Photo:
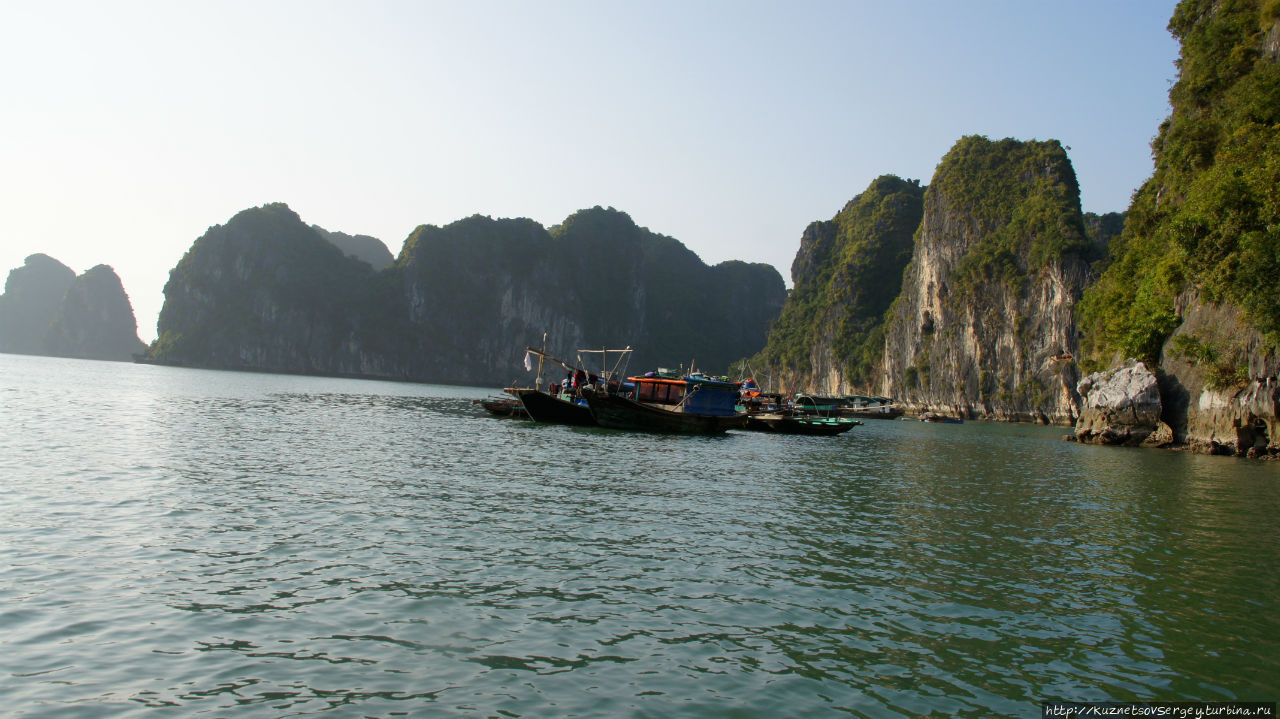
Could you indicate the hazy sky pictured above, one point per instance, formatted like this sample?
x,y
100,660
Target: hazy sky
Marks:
x,y
127,128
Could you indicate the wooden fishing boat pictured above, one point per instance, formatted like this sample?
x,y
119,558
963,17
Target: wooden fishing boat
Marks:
x,y
564,403
850,405
556,409
864,406
788,423
940,418
694,404
502,407
816,406
771,412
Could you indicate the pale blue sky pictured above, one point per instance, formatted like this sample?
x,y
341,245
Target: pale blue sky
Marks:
x,y
128,128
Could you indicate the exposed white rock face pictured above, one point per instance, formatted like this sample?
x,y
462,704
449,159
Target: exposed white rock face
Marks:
x,y
1004,351
1131,392
1120,406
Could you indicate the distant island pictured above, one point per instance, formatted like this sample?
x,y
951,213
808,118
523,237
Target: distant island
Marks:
x,y
47,310
460,304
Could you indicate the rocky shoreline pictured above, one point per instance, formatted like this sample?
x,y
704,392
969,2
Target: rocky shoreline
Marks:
x,y
1132,406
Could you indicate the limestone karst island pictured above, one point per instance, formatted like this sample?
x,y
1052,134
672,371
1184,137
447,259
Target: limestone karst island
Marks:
x,y
984,292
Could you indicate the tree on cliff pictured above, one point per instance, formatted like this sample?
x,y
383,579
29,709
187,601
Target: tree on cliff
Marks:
x,y
1208,219
846,274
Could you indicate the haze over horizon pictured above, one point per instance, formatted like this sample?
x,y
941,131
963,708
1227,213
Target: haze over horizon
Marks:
x,y
132,127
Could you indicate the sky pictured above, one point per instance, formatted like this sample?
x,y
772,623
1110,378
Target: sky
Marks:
x,y
127,128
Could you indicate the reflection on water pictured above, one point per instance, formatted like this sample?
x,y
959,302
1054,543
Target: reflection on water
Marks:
x,y
204,541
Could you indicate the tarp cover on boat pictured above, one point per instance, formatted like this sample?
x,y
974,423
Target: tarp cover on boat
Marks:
x,y
711,397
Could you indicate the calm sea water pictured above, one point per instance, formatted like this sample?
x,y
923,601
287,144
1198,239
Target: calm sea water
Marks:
x,y
192,543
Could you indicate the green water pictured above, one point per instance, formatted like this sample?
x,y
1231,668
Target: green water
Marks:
x,y
190,543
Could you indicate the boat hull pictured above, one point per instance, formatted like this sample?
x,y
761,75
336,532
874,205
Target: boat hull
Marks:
x,y
813,426
542,407
837,407
503,407
617,412
873,413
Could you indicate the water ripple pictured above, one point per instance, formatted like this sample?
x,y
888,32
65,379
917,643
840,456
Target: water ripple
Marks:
x,y
200,543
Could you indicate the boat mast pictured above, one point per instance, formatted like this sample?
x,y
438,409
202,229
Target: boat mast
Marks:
x,y
542,354
606,373
538,384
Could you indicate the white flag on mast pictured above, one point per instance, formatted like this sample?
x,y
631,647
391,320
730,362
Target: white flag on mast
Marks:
x,y
528,362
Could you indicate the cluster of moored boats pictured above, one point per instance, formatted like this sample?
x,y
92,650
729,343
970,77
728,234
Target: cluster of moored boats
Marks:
x,y
677,401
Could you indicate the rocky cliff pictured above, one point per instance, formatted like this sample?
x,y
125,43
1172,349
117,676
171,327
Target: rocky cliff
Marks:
x,y
1191,286
829,337
460,303
1101,231
95,320
267,292
1122,406
47,310
362,247
32,294
1219,381
478,290
984,325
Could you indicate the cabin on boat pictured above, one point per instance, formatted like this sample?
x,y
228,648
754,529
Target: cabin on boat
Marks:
x,y
695,394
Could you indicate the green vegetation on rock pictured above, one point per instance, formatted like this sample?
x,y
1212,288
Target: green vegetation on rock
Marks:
x,y
1101,230
461,301
846,274
984,322
1023,205
1209,216
1220,359
264,281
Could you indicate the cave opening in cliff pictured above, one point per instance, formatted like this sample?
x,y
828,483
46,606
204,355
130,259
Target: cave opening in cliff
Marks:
x,y
1259,433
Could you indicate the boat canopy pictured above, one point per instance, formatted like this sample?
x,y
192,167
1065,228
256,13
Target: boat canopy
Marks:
x,y
711,397
864,399
695,394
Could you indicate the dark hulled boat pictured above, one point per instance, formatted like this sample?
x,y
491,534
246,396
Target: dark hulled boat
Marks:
x,y
543,407
618,412
502,407
685,405
564,403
